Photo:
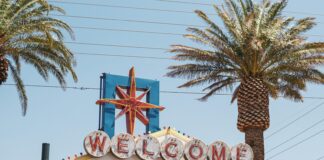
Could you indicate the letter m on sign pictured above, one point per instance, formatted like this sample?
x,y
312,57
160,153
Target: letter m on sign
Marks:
x,y
218,156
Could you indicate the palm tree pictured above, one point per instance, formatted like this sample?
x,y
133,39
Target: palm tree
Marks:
x,y
259,52
29,35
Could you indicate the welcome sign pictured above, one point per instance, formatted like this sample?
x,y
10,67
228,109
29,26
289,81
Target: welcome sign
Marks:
x,y
147,147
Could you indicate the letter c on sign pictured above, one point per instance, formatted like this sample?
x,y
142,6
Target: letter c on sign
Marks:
x,y
172,149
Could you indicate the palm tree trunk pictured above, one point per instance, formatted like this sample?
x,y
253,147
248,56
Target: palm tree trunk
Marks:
x,y
3,69
254,137
253,113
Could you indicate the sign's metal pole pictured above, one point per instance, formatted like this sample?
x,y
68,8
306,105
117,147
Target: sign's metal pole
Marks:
x,y
100,106
45,151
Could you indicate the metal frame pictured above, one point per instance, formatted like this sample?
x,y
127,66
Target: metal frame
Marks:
x,y
110,82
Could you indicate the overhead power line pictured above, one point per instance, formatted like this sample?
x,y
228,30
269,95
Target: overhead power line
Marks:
x,y
320,158
115,45
295,145
295,120
127,7
127,20
185,2
95,88
165,10
210,4
298,134
162,91
154,32
127,30
119,55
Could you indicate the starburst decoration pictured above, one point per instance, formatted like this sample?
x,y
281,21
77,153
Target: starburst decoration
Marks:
x,y
130,104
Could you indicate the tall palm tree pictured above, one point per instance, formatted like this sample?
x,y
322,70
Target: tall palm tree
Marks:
x,y
29,35
259,52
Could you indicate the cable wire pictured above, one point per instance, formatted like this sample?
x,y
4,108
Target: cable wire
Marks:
x,y
295,120
115,45
166,10
127,7
298,134
119,55
320,158
127,20
295,145
127,30
162,91
154,32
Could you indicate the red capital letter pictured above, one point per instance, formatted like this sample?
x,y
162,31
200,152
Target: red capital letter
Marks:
x,y
122,147
145,151
97,142
172,155
192,155
218,157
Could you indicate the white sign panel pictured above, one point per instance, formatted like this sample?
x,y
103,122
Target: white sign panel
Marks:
x,y
196,150
147,147
242,151
172,149
123,145
97,143
219,151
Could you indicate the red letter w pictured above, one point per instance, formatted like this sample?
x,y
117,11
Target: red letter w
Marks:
x,y
97,142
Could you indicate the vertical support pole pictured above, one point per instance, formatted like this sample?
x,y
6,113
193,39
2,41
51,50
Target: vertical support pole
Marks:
x,y
108,119
45,151
100,106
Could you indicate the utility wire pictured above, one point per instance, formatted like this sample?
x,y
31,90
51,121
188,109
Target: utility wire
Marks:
x,y
153,32
132,20
210,4
295,120
162,91
94,88
115,45
298,134
128,30
184,2
127,7
166,10
295,145
119,55
127,20
141,21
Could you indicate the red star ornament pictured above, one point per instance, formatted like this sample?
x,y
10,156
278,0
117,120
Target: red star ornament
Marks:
x,y
131,105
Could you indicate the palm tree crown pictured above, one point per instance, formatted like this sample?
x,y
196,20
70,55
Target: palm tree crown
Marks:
x,y
256,41
260,52
29,35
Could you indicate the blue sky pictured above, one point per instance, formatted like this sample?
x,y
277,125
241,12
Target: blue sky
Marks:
x,y
64,118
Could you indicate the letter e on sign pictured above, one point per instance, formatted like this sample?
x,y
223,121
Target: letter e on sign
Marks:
x,y
172,149
196,150
123,145
242,151
97,143
147,147
218,151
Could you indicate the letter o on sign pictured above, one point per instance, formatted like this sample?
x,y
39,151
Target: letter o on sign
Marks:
x,y
147,147
242,151
196,150
219,150
172,149
97,144
123,145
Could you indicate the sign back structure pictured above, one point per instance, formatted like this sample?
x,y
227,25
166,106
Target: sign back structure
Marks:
x,y
112,86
